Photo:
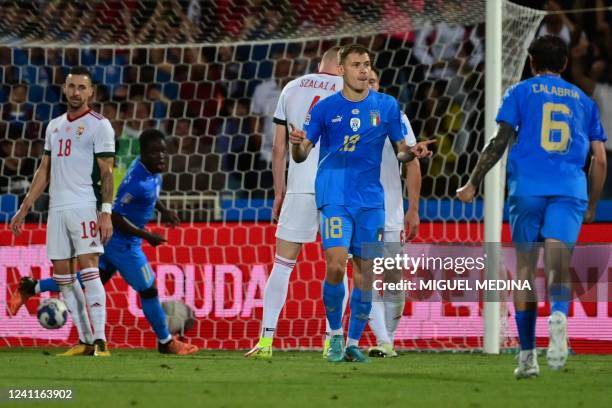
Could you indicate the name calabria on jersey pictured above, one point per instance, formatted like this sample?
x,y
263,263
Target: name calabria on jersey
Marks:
x,y
351,127
556,125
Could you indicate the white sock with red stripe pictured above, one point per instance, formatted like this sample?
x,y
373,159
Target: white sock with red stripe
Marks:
x,y
96,300
275,294
75,301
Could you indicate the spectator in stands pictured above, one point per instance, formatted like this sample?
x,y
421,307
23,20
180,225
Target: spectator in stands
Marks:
x,y
17,112
596,81
557,24
263,105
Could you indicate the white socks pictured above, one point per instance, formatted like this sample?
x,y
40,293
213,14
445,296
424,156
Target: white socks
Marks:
x,y
394,309
275,294
96,300
377,319
75,301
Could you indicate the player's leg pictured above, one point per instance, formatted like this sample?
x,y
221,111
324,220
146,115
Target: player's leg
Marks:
x,y
559,242
297,224
29,287
387,308
135,269
61,252
327,341
336,232
365,246
526,217
83,228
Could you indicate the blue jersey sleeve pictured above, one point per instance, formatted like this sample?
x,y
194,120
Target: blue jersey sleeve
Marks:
x,y
509,110
126,194
397,129
596,131
314,124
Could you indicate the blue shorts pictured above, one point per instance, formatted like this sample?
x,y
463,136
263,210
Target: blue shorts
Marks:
x,y
360,230
131,263
534,219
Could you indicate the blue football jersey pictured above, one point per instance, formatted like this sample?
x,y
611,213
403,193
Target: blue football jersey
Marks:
x,y
352,136
136,198
556,122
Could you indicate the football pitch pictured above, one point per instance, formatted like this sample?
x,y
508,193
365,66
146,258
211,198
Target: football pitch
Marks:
x,y
144,378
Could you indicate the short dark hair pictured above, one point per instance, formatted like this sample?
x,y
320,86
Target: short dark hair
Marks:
x,y
81,70
353,49
548,53
149,136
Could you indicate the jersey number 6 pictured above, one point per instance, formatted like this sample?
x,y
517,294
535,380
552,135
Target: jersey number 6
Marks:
x,y
555,133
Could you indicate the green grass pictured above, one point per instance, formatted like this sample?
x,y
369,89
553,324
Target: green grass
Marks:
x,y
144,378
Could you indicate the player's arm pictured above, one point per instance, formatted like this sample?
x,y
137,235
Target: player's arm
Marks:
x,y
125,226
168,216
300,146
597,177
106,179
413,191
38,186
490,155
279,165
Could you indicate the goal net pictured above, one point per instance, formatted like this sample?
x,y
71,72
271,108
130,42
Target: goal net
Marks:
x,y
207,74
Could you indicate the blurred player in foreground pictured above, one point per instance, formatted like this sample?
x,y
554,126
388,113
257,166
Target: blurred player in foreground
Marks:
x,y
388,309
352,127
75,143
294,202
137,196
555,124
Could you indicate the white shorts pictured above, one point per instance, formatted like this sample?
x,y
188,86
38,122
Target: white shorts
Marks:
x,y
299,218
72,232
394,236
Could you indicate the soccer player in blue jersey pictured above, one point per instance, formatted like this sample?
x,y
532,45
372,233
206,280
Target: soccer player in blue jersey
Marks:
x,y
137,196
351,127
555,125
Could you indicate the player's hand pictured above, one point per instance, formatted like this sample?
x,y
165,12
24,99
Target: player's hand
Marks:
x,y
17,221
276,207
105,225
155,239
296,136
412,222
466,193
420,149
171,218
589,215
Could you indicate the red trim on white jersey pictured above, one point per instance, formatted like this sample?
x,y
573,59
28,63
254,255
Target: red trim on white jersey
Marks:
x,y
77,117
95,114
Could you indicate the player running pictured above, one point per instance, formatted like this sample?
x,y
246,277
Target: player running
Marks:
x,y
352,127
137,196
298,221
555,123
75,143
388,309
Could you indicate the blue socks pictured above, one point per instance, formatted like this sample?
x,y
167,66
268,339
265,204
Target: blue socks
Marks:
x,y
332,299
560,296
156,317
361,305
526,324
48,285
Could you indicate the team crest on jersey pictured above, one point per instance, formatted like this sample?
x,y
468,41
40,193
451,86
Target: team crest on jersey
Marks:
x,y
355,124
374,118
80,131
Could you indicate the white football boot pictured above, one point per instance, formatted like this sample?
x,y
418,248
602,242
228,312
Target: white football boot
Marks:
x,y
556,355
528,365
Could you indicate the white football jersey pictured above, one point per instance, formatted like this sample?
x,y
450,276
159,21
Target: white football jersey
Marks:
x,y
71,146
296,100
390,180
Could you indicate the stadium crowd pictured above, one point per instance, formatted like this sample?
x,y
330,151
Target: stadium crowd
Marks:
x,y
215,102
